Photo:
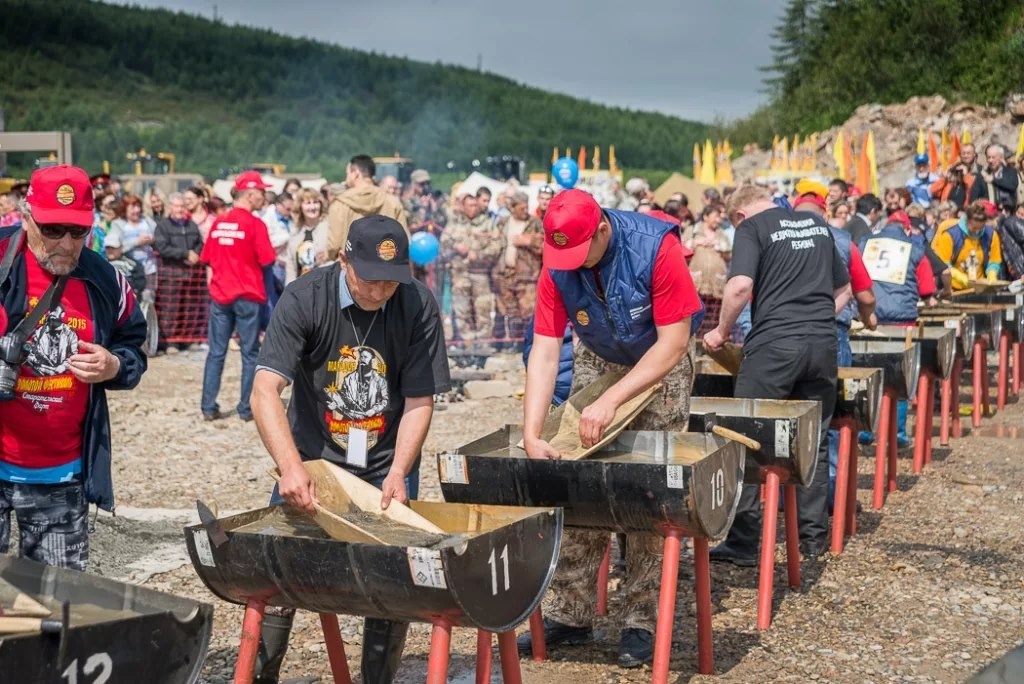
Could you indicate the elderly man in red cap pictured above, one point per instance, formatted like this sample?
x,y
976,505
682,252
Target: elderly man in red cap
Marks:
x,y
70,331
237,250
621,279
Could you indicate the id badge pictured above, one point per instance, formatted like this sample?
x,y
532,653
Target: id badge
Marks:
x,y
356,454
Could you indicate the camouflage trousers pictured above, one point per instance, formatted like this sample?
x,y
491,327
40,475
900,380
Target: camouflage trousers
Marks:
x,y
571,599
52,522
472,305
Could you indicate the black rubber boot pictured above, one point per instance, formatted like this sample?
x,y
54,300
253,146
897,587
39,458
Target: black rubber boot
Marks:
x,y
383,642
273,645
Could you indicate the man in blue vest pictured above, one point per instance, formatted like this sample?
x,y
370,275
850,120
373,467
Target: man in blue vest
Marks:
x,y
623,280
902,275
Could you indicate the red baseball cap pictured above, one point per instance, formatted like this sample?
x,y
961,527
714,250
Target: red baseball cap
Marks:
x,y
810,198
569,225
991,210
61,194
901,218
250,180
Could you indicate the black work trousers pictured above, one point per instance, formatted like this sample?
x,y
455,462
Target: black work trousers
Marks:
x,y
797,369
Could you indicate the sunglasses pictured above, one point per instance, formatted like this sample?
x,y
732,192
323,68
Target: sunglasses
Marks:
x,y
56,231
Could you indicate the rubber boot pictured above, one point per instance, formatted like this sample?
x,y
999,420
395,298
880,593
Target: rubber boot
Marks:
x,y
902,439
273,645
383,642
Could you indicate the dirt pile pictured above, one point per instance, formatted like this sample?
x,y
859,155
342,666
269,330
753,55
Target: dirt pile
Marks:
x,y
895,129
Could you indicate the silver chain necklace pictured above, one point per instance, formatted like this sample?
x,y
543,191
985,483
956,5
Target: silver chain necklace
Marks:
x,y
355,332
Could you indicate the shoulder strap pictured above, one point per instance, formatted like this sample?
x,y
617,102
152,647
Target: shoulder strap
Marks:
x,y
13,247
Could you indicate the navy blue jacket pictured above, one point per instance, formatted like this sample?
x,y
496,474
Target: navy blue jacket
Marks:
x,y
563,383
119,327
897,303
844,243
620,326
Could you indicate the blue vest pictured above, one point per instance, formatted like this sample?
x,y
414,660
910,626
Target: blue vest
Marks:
x,y
898,303
844,243
620,326
956,233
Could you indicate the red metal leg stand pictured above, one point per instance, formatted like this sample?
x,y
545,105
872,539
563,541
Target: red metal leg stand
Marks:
x,y
440,651
245,668
924,386
881,449
958,370
893,463
602,580
702,589
842,487
766,578
483,656
792,537
335,648
1003,377
1016,353
510,672
538,647
929,422
980,371
666,608
946,397
851,494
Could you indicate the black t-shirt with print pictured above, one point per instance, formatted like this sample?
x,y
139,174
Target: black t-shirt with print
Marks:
x,y
352,368
796,268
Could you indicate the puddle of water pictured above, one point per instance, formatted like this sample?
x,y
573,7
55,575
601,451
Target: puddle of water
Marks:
x,y
1002,431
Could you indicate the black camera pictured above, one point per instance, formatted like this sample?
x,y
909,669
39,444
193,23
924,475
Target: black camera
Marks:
x,y
12,355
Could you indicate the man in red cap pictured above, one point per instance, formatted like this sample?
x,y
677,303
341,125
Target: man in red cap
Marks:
x,y
71,330
621,278
237,250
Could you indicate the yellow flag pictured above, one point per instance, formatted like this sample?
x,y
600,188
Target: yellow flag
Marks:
x,y
773,161
707,166
597,158
873,162
920,141
612,167
839,155
966,137
944,148
1020,147
795,161
554,155
696,160
723,176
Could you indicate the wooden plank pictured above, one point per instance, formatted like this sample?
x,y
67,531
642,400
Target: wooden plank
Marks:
x,y
562,427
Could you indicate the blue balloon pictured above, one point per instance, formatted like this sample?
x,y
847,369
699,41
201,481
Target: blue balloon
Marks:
x,y
566,172
423,248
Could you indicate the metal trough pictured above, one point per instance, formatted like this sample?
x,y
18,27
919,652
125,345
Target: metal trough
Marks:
x,y
900,363
789,433
116,632
489,570
964,326
988,318
1014,304
938,345
858,390
643,481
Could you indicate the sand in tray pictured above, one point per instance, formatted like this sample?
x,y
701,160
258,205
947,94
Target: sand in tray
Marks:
x,y
293,524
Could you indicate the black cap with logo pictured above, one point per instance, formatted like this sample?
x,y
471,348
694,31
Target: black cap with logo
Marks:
x,y
378,249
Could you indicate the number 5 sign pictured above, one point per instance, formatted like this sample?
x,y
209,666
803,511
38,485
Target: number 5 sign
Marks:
x,y
887,260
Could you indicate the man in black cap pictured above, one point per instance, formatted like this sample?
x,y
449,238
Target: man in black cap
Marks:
x,y
363,344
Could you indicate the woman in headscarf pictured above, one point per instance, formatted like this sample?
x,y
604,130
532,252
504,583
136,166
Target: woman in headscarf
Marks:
x,y
181,293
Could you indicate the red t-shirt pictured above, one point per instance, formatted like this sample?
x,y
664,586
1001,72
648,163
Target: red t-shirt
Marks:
x,y
237,249
672,292
860,280
42,426
925,278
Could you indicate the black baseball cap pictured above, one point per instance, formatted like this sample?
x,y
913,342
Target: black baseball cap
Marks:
x,y
378,249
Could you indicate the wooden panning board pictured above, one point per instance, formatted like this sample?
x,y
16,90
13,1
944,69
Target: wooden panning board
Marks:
x,y
729,357
562,427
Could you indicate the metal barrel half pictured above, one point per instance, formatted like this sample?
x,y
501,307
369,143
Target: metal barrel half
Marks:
x,y
963,325
488,571
117,632
858,390
643,481
1014,305
900,363
938,345
988,318
789,433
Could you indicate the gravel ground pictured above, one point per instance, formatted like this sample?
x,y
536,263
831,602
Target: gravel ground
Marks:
x,y
930,590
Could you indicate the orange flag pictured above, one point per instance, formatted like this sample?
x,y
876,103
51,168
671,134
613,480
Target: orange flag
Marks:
x,y
851,161
582,161
934,160
944,145
954,150
863,175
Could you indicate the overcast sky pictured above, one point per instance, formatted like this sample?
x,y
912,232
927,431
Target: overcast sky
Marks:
x,y
691,58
